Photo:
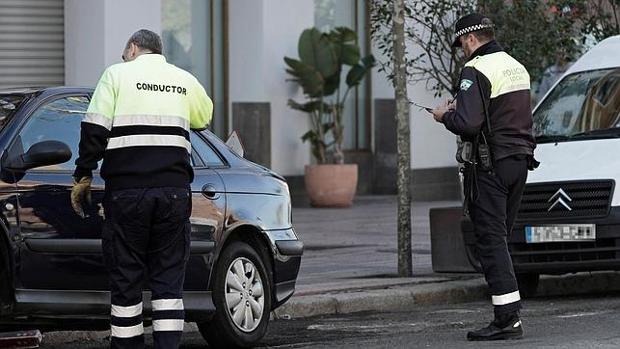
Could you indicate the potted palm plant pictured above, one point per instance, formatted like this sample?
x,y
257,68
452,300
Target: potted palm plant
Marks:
x,y
323,57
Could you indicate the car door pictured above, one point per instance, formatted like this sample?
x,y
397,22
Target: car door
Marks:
x,y
208,211
59,249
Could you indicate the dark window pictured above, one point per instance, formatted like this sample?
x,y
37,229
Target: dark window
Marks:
x,y
58,120
204,150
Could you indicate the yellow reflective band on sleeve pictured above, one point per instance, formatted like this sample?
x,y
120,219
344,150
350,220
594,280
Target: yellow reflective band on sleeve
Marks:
x,y
505,73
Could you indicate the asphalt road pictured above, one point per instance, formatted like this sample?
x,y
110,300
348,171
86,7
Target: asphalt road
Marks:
x,y
591,321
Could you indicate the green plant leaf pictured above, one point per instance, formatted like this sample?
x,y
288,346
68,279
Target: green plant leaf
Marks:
x,y
308,77
315,50
331,84
311,136
344,41
358,71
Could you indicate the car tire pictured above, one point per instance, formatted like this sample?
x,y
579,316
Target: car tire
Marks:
x,y
528,284
225,330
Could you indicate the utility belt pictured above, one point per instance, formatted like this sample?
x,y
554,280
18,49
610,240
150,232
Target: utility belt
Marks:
x,y
477,157
475,154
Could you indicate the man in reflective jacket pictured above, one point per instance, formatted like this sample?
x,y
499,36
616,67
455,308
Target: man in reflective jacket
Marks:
x,y
493,112
138,122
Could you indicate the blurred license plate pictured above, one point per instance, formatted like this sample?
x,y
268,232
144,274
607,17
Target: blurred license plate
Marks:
x,y
564,232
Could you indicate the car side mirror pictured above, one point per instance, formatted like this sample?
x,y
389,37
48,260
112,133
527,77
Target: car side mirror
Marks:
x,y
44,153
234,143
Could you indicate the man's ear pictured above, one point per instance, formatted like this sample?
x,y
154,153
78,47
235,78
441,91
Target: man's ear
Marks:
x,y
470,38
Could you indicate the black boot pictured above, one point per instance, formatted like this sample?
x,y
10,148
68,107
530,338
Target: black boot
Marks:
x,y
502,328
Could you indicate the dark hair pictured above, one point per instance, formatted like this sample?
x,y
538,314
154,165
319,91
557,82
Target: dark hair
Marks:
x,y
146,40
486,34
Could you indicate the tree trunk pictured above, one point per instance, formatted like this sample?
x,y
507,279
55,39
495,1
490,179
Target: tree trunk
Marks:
x,y
405,266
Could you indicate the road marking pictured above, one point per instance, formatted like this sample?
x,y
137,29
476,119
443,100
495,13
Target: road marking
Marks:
x,y
359,328
455,311
594,313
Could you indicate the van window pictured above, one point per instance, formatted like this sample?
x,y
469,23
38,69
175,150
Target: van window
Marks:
x,y
581,105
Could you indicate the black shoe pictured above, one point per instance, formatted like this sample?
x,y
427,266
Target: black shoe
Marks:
x,y
512,329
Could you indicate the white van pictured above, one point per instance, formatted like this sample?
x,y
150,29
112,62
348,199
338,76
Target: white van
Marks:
x,y
569,219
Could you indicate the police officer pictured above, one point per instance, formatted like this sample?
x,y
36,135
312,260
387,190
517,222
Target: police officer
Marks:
x,y
138,122
492,114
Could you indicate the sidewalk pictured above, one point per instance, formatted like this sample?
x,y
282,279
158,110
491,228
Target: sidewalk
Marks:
x,y
359,243
350,261
350,264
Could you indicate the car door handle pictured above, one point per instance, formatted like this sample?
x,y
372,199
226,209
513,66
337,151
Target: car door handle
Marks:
x,y
210,192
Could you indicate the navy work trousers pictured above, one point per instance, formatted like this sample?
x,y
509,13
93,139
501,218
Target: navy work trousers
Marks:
x,y
146,239
493,212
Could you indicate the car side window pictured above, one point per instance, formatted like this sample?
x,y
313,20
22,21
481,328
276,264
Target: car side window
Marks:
x,y
58,120
205,151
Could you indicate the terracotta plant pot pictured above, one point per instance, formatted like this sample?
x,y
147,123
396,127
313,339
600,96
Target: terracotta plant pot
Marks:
x,y
331,185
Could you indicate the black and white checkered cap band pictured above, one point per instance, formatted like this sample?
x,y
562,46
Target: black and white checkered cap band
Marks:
x,y
473,28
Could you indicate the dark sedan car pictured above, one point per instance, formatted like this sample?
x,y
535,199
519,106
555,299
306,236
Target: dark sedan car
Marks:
x,y
245,253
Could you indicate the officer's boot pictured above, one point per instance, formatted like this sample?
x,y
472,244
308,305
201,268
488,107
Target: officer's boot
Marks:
x,y
503,327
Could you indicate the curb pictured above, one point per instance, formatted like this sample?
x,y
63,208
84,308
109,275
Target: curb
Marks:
x,y
409,297
579,284
400,298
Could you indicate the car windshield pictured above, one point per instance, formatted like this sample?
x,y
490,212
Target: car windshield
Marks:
x,y
582,105
8,106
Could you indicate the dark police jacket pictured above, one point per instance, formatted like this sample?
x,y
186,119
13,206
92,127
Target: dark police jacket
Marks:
x,y
493,79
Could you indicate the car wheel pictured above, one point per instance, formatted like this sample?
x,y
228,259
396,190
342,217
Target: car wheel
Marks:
x,y
528,284
242,297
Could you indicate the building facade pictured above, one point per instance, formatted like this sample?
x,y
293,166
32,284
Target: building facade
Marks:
x,y
236,49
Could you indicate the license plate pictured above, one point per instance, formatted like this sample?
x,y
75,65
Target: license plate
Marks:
x,y
556,233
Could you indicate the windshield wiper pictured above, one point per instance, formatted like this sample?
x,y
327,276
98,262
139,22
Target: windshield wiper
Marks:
x,y
602,133
551,138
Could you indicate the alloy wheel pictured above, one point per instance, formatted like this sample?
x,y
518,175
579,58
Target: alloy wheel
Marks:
x,y
244,294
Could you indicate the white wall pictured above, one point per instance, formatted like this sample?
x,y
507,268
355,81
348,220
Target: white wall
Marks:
x,y
261,33
96,32
432,145
83,41
246,51
284,22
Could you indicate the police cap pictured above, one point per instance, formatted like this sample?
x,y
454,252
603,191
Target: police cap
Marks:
x,y
469,24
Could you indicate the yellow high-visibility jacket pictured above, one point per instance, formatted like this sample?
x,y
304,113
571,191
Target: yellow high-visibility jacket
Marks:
x,y
139,120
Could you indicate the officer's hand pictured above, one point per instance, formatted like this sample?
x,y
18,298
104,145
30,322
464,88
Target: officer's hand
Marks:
x,y
438,113
80,194
452,105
